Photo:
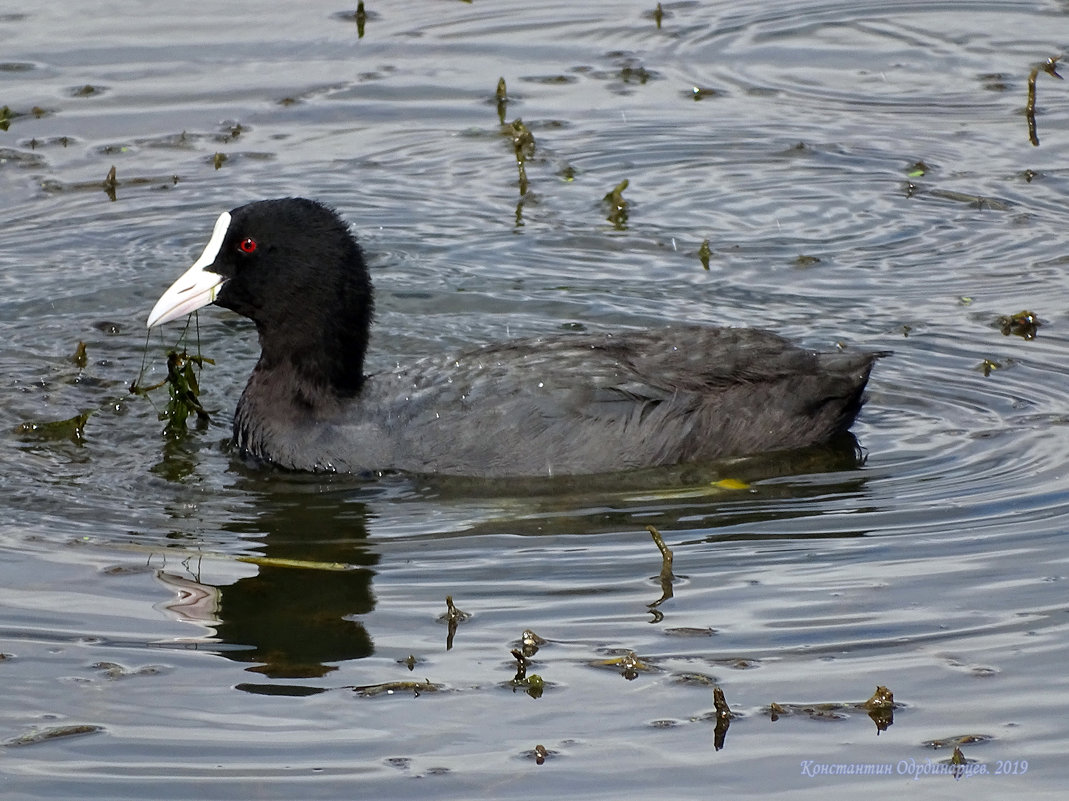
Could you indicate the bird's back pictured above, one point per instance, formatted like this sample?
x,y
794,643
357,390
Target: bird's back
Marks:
x,y
598,403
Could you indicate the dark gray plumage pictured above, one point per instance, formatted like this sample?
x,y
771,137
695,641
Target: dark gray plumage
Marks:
x,y
563,405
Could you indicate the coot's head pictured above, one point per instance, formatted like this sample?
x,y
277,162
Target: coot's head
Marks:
x,y
292,267
269,261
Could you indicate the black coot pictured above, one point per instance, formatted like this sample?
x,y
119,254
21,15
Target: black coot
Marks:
x,y
555,405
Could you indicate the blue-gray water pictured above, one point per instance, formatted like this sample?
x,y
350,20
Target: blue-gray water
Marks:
x,y
862,173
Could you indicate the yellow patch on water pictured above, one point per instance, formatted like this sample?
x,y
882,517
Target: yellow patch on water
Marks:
x,y
731,484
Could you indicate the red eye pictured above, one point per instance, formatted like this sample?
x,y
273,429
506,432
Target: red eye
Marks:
x,y
247,245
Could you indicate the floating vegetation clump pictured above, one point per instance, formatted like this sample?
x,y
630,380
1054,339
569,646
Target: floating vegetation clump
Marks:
x,y
113,671
988,366
360,17
880,708
86,90
415,688
918,169
52,733
633,72
501,97
453,617
534,685
689,631
666,577
617,205
73,429
957,740
183,391
1024,324
723,718
700,93
881,701
229,132
80,357
695,679
110,184
704,254
530,643
974,201
1050,67
629,664
523,145
452,613
657,15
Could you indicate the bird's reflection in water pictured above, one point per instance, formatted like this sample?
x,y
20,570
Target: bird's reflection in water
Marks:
x,y
294,619
298,616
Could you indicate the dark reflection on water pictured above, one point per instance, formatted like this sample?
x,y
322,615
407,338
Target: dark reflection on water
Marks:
x,y
727,494
293,621
294,618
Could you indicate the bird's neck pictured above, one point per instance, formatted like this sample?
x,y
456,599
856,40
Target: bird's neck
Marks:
x,y
318,342
314,368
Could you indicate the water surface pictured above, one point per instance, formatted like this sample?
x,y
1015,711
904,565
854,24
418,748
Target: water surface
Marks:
x,y
185,626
